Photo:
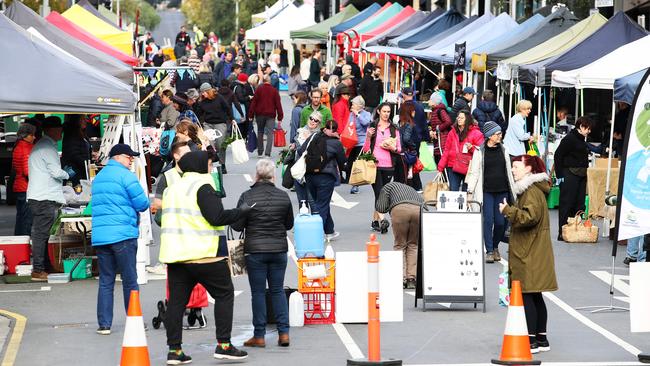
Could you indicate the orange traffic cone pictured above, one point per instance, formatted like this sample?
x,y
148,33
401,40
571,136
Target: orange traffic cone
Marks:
x,y
134,344
516,345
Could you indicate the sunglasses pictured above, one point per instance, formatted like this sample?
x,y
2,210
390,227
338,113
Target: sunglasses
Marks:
x,y
314,119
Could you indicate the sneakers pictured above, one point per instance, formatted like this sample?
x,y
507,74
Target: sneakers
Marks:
x,y
332,236
177,357
497,255
104,330
374,226
543,346
229,353
255,342
383,226
539,343
626,261
534,347
489,258
39,276
354,190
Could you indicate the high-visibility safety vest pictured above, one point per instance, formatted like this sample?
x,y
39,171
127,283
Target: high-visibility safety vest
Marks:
x,y
172,176
185,234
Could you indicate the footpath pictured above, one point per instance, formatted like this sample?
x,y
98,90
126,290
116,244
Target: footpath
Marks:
x,y
5,331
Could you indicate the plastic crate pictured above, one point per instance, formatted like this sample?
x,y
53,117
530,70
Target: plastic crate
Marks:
x,y
325,284
319,308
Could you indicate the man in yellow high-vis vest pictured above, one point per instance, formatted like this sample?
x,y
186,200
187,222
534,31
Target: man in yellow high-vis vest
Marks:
x,y
193,244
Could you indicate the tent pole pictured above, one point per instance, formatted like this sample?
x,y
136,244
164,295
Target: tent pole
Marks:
x,y
582,102
426,68
329,51
539,112
548,130
575,116
453,87
485,76
475,84
510,99
386,73
609,164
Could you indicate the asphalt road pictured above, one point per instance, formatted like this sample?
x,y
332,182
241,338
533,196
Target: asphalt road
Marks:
x,y
170,24
61,319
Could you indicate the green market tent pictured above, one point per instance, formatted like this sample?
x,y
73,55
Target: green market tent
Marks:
x,y
553,46
318,33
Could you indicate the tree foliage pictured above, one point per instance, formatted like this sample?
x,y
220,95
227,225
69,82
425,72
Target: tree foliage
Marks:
x,y
219,15
149,18
55,5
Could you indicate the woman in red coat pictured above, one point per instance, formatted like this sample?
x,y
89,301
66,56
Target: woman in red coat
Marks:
x,y
341,108
20,165
464,138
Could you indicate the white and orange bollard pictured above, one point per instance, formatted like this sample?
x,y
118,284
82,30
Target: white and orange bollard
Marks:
x,y
516,344
134,344
374,325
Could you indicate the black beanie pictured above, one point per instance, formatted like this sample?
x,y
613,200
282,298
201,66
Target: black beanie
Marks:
x,y
194,162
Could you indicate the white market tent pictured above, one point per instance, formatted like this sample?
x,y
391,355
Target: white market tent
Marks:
x,y
602,73
280,26
270,12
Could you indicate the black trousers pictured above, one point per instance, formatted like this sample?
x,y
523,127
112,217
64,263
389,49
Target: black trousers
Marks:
x,y
536,314
181,279
572,197
384,176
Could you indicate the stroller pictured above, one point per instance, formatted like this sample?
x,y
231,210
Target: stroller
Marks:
x,y
193,310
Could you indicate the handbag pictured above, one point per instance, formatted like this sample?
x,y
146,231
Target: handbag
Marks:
x,y
299,168
236,257
251,139
438,184
426,157
578,231
461,164
363,172
533,150
279,139
238,146
417,167
411,156
349,137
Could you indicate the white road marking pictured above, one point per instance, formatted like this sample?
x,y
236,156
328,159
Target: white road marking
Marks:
x,y
248,178
292,252
43,288
445,304
589,323
348,342
609,363
339,201
619,284
211,299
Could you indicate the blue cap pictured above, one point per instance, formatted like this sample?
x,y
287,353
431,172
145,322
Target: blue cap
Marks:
x,y
469,90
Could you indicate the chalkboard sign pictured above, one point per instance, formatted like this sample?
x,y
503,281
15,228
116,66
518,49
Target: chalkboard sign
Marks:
x,y
451,257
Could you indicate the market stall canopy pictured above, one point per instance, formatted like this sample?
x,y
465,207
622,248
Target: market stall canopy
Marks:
x,y
25,17
280,26
372,22
618,31
554,24
602,73
522,31
89,7
64,84
389,24
414,21
121,40
109,15
270,12
365,14
444,22
319,32
625,87
445,34
552,47
75,31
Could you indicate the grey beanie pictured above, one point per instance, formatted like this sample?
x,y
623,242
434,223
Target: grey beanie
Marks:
x,y
490,128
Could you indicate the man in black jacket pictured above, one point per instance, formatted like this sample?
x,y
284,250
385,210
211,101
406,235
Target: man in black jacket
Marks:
x,y
372,88
487,110
463,103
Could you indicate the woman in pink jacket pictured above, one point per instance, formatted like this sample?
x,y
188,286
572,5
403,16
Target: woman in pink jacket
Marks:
x,y
383,140
463,139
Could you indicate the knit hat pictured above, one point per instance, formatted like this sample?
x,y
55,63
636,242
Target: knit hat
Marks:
x,y
205,87
490,128
435,99
242,77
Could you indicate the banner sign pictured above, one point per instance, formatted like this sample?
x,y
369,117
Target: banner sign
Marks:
x,y
633,216
459,56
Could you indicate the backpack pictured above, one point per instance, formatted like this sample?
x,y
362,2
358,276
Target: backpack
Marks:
x,y
166,140
316,157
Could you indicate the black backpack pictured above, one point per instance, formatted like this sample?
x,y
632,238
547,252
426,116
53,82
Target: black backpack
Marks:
x,y
316,157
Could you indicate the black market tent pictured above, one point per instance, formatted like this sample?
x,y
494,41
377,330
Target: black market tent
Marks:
x,y
365,14
38,77
88,6
445,34
618,31
405,27
25,17
554,24
436,27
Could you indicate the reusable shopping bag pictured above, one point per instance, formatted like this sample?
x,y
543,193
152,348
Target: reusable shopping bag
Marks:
x,y
439,183
238,146
426,157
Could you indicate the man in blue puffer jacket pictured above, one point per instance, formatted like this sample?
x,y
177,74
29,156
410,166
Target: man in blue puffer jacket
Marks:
x,y
117,199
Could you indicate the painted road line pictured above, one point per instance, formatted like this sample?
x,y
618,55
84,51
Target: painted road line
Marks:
x,y
339,201
619,284
248,178
16,337
596,363
588,322
348,342
445,304
43,288
291,252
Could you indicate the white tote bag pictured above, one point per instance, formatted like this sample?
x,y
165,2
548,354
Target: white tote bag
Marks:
x,y
299,168
239,152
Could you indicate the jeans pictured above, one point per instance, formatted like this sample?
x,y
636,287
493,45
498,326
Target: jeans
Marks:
x,y
263,267
303,194
455,180
111,258
23,215
265,126
181,279
321,188
494,223
44,213
635,248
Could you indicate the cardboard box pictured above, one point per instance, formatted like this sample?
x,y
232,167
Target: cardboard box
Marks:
x,y
602,163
